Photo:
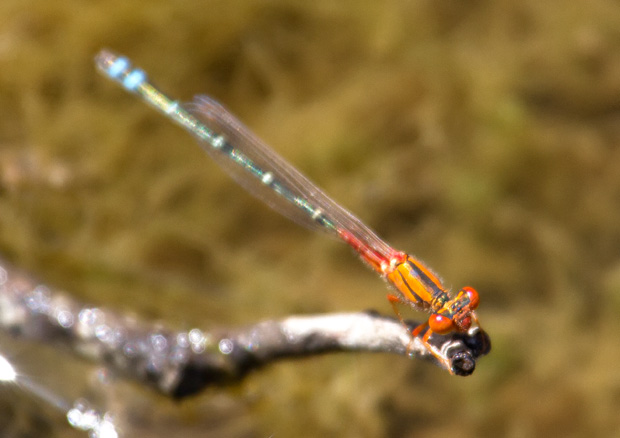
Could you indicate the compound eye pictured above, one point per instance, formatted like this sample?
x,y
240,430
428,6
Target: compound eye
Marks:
x,y
440,324
474,299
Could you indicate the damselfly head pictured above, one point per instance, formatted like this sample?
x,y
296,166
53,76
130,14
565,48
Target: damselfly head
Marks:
x,y
463,307
463,321
470,295
441,324
457,314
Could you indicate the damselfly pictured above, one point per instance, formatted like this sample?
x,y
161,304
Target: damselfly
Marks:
x,y
269,177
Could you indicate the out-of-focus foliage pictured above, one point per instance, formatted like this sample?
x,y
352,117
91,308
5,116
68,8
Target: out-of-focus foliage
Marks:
x,y
482,136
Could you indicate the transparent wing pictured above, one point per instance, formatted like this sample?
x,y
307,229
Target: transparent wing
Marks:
x,y
248,160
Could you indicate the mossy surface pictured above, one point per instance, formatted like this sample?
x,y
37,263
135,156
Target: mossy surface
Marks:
x,y
481,136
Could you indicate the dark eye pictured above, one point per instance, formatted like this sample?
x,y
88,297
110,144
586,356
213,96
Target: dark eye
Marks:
x,y
440,324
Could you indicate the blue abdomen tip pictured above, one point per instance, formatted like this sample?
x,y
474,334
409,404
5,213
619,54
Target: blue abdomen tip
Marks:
x,y
119,66
134,79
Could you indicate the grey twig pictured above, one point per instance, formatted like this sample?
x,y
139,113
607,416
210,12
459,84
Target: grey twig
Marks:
x,y
181,363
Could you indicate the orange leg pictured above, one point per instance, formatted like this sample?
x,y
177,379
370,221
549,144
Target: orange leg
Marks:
x,y
474,318
434,351
394,301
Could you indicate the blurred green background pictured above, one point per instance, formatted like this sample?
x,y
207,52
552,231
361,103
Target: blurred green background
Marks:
x,y
482,136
